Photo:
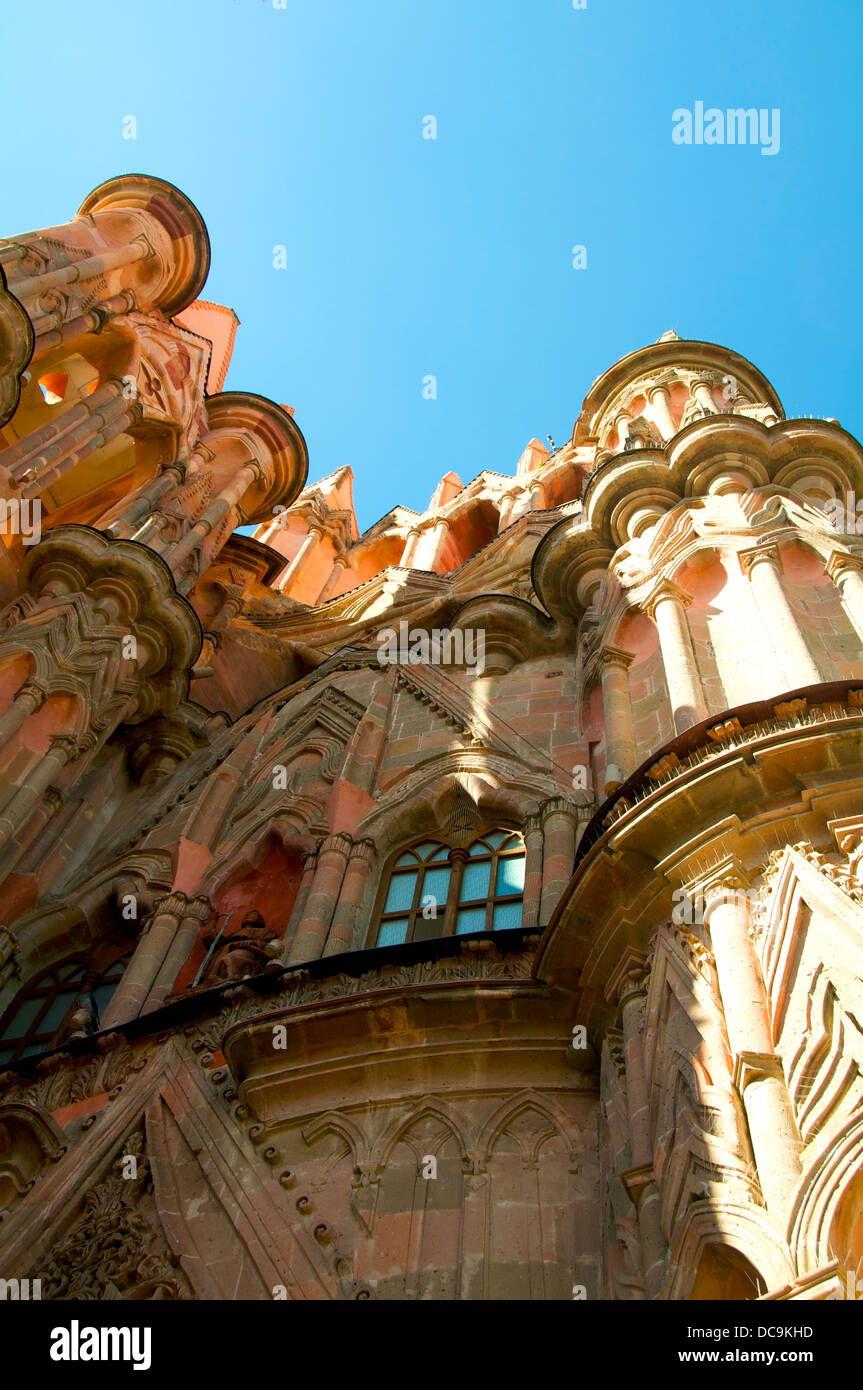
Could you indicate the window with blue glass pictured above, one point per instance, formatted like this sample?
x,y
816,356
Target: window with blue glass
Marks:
x,y
437,889
38,1019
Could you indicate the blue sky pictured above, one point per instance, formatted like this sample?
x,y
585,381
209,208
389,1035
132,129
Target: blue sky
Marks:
x,y
302,127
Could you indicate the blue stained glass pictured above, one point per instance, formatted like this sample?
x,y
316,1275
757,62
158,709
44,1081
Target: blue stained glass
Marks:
x,y
427,849
102,993
506,915
474,883
407,858
21,1021
58,1010
401,892
393,933
510,876
470,919
496,837
442,853
436,885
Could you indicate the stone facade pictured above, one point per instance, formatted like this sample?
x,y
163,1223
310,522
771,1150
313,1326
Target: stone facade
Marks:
x,y
470,908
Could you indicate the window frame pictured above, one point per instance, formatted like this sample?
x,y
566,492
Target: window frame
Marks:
x,y
106,964
447,927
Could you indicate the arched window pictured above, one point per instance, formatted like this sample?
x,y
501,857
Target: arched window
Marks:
x,y
38,1018
434,889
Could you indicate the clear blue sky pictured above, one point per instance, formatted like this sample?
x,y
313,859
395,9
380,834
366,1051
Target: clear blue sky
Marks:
x,y
303,127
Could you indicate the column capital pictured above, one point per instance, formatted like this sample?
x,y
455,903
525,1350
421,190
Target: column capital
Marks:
x,y
614,656
724,881
629,976
32,690
72,746
258,471
171,905
704,378
756,1066
198,908
364,849
637,1181
558,806
842,563
633,986
532,824
340,843
658,388
661,590
52,799
751,557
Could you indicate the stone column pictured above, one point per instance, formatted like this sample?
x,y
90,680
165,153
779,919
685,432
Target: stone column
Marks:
x,y
622,422
106,424
28,699
763,566
521,503
537,496
212,515
702,390
295,921
214,633
620,755
559,824
136,512
150,954
52,330
640,1180
30,290
194,916
505,515
660,399
296,567
341,563
39,459
407,560
342,931
666,605
15,457
532,872
846,571
758,1073
431,544
326,885
63,749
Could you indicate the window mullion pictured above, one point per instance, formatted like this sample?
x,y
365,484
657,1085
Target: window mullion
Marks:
x,y
457,860
492,884
418,887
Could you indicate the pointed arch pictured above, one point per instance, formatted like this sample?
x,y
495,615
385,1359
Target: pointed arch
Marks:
x,y
401,1126
527,1101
